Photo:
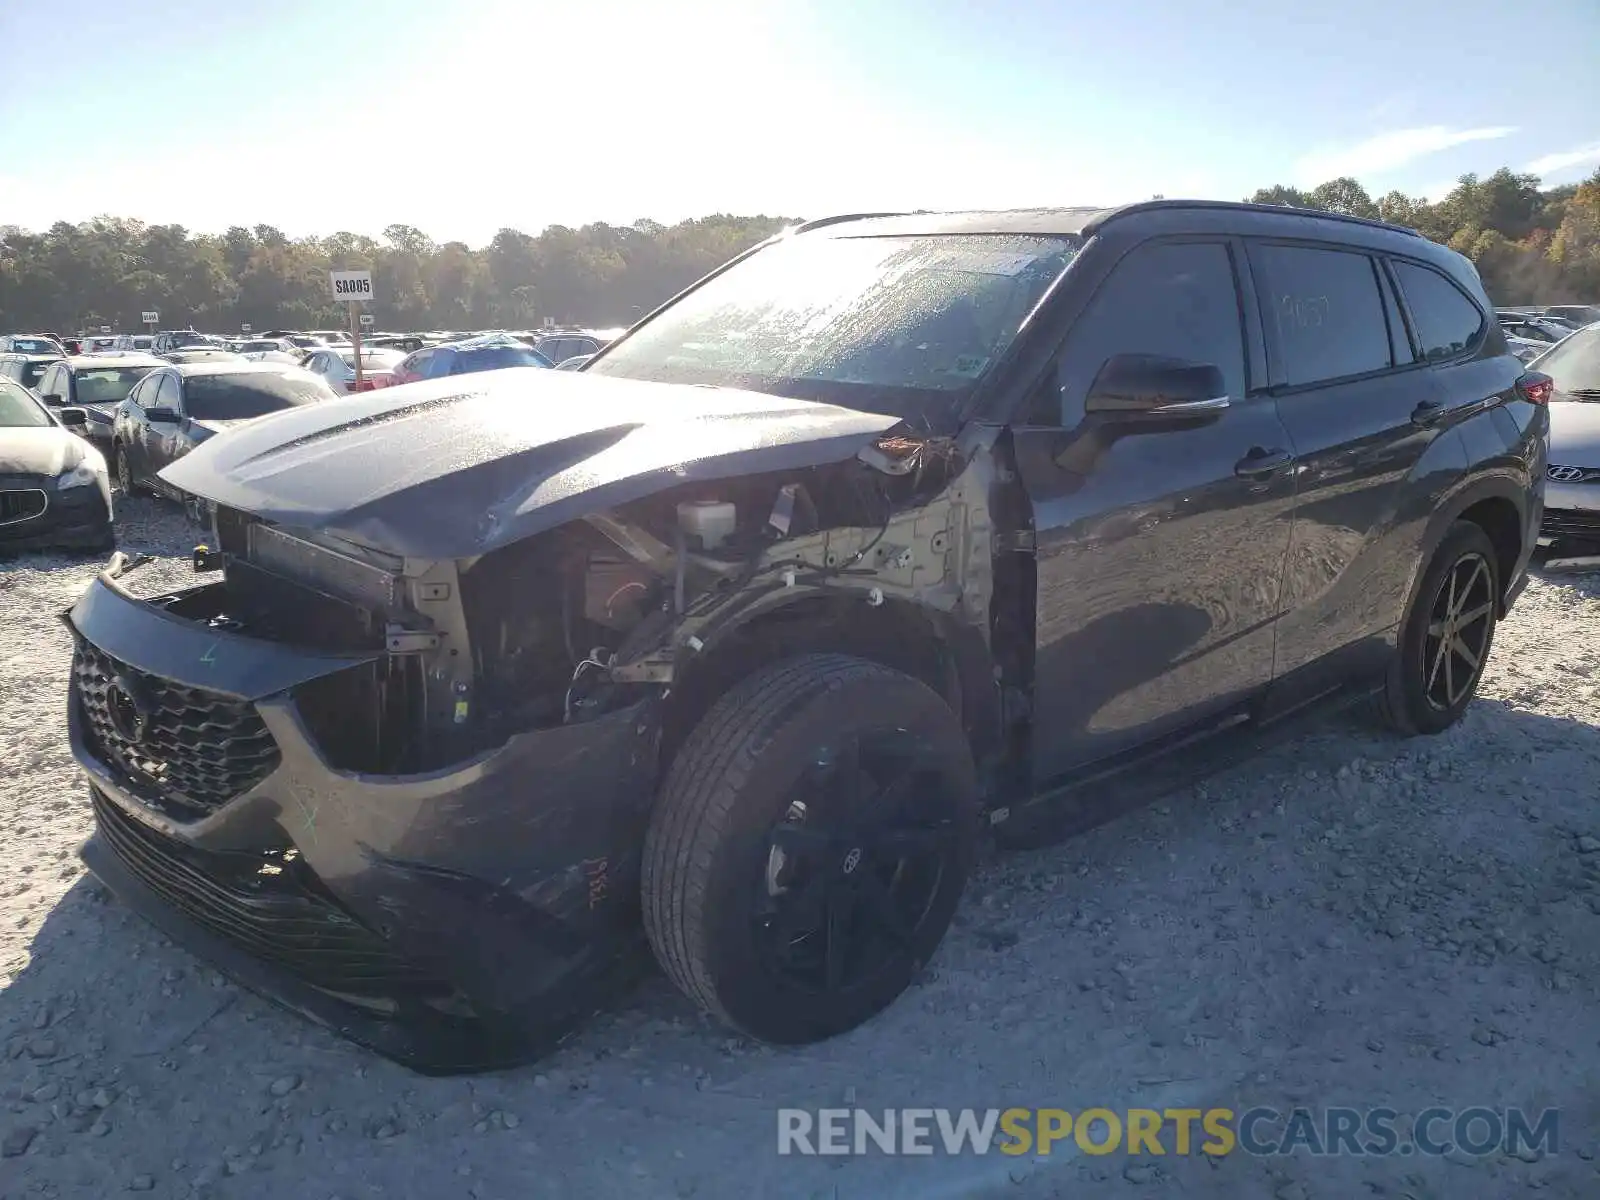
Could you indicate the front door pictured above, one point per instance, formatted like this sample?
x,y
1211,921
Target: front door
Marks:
x,y
1159,544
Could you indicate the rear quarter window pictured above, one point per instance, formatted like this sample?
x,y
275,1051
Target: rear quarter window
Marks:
x,y
1446,320
1326,311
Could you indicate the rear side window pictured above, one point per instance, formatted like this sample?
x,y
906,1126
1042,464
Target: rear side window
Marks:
x,y
1446,321
241,397
1326,310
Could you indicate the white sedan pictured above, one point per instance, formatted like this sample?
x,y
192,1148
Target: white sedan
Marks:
x,y
1572,480
337,364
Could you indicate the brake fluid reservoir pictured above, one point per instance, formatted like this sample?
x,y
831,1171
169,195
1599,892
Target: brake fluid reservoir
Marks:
x,y
712,521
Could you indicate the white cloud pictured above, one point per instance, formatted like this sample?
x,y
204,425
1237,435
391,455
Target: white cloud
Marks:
x,y
1389,151
1560,161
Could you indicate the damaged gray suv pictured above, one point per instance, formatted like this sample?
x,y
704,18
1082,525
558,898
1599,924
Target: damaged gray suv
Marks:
x,y
894,531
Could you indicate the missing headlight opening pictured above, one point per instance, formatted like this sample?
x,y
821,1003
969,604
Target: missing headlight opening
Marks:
x,y
586,618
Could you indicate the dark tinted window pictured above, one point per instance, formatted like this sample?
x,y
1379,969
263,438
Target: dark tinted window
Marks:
x,y
1446,321
1326,310
239,397
492,358
1172,299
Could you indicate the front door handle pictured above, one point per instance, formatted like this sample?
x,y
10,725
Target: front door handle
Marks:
x,y
1427,412
1259,463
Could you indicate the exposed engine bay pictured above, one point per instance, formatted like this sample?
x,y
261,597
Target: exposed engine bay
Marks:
x,y
573,622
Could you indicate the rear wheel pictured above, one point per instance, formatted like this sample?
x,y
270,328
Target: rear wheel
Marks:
x,y
1445,642
809,846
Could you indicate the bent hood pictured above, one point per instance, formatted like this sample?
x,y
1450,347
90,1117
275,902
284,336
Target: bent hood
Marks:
x,y
454,467
48,450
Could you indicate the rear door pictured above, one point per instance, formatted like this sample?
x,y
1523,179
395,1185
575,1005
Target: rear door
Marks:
x,y
1362,409
1159,544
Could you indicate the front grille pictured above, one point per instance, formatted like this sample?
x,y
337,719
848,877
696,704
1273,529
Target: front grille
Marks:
x,y
1570,524
22,504
269,905
180,746
1557,473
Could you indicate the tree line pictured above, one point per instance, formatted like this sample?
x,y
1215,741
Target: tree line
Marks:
x,y
1531,245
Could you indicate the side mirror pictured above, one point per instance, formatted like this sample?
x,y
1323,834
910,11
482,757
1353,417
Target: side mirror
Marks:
x,y
161,414
73,417
1135,385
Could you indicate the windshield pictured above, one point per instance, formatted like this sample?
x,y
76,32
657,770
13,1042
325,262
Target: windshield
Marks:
x,y
18,410
240,397
107,385
30,345
901,325
1574,364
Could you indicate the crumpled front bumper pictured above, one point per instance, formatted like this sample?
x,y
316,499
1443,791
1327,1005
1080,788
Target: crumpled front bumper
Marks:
x,y
511,877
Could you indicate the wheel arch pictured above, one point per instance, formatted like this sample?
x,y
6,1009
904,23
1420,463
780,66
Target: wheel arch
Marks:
x,y
949,656
1497,504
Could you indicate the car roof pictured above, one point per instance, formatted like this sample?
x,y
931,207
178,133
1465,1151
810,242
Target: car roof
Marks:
x,y
86,361
232,366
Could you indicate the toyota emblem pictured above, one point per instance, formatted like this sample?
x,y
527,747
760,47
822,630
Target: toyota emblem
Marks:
x,y
1566,474
128,709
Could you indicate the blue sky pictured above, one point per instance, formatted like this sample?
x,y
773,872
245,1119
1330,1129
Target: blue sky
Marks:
x,y
320,115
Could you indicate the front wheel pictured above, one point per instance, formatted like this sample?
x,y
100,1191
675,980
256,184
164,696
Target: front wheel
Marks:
x,y
809,846
1445,641
125,483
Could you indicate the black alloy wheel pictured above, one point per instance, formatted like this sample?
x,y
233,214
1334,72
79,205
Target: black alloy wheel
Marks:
x,y
855,864
1459,630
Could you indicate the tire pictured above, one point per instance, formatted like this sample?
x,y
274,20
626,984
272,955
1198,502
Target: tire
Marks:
x,y
125,480
768,894
1427,693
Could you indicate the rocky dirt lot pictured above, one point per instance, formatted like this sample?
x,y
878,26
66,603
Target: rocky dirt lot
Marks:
x,y
1348,920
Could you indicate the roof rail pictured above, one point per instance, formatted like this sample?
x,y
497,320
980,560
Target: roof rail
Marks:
x,y
841,218
1242,206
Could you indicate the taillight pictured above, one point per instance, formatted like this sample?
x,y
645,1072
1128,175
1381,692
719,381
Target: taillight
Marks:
x,y
1535,387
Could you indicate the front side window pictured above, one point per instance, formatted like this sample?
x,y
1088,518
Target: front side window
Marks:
x,y
1574,365
241,397
904,325
1446,321
1171,299
18,410
1326,310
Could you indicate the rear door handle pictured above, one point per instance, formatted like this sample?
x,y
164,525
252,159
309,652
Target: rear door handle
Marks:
x,y
1427,412
1259,463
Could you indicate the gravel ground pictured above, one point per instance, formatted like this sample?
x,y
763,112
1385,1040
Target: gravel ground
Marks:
x,y
1348,920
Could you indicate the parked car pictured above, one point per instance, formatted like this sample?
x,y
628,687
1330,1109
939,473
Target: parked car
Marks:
x,y
337,364
575,363
1579,314
1572,495
889,531
134,342
98,344
26,369
170,340
1534,328
178,407
280,350
53,486
395,341
197,354
30,343
558,347
466,357
97,384
1525,349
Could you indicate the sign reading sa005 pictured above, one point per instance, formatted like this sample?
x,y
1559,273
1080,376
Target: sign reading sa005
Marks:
x,y
351,285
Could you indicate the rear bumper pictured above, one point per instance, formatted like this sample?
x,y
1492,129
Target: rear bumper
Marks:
x,y
453,921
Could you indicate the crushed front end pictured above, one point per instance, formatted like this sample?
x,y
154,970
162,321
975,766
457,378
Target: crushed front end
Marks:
x,y
290,775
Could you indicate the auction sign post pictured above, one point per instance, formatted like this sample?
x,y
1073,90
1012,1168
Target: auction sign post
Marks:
x,y
150,320
353,287
245,328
